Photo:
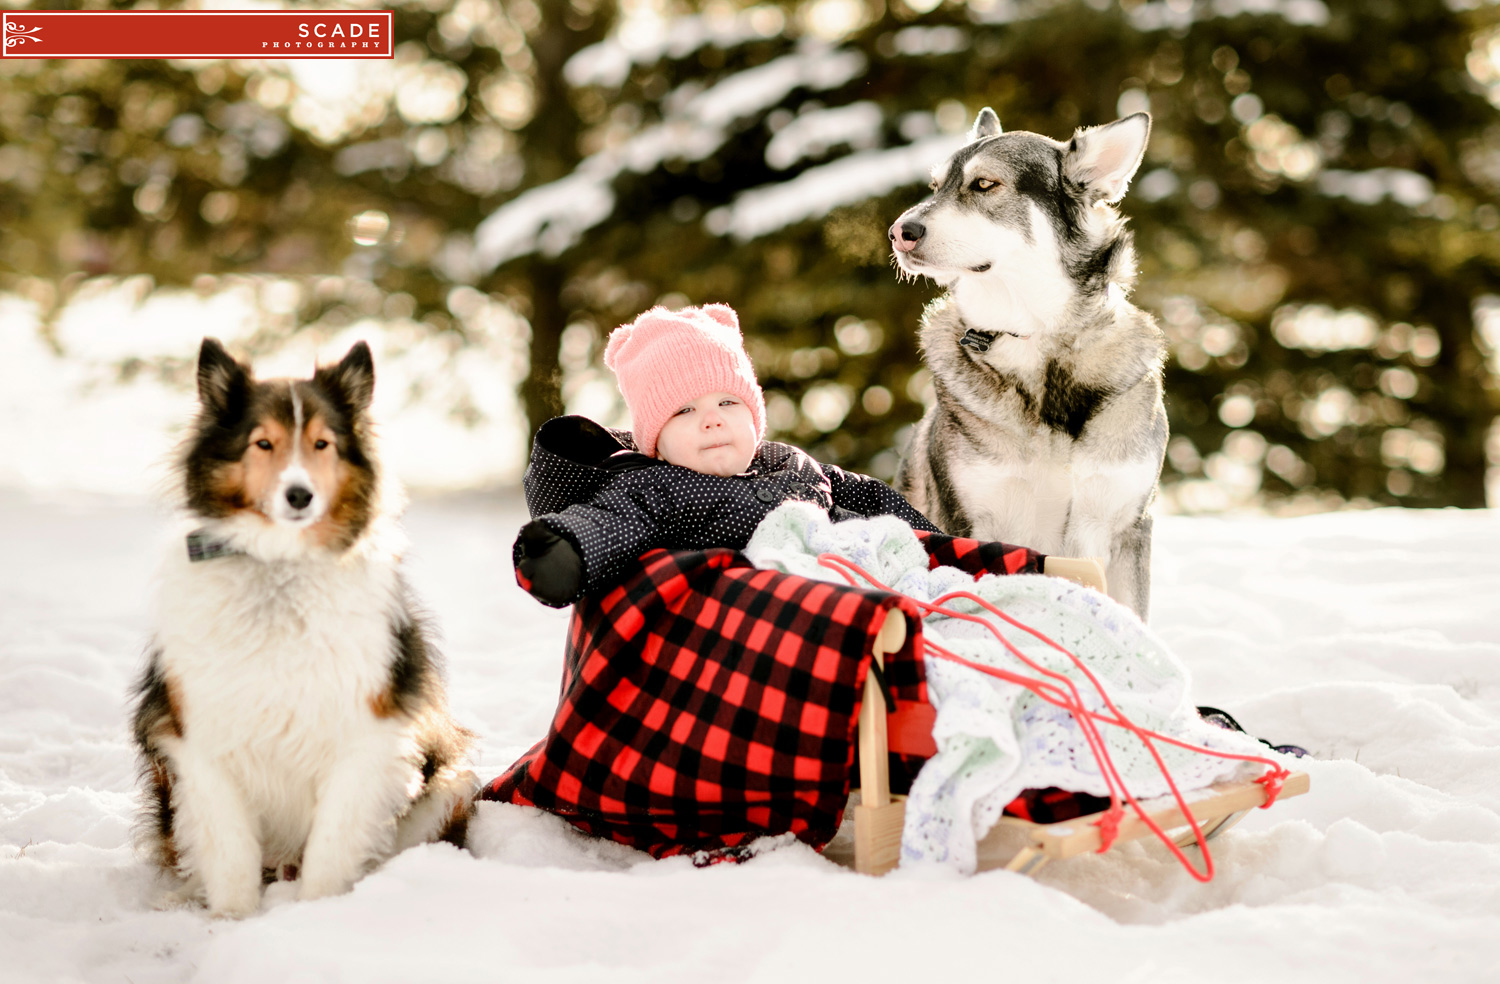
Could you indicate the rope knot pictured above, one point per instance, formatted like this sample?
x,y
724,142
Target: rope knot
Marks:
x,y
1109,826
1273,780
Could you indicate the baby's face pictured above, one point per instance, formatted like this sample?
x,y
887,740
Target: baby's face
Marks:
x,y
714,434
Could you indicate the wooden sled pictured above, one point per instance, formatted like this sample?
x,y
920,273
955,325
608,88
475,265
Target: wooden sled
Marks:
x,y
879,817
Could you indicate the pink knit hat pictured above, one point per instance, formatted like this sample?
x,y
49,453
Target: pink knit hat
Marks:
x,y
665,359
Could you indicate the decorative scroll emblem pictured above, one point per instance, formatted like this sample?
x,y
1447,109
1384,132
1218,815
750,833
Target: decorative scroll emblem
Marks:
x,y
16,34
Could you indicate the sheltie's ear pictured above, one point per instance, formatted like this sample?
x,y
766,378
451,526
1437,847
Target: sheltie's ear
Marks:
x,y
353,378
223,384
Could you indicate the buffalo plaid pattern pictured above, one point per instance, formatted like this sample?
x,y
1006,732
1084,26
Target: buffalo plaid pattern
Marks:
x,y
979,556
1053,805
706,702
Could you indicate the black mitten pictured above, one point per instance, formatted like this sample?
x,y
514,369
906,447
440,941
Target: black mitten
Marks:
x,y
547,565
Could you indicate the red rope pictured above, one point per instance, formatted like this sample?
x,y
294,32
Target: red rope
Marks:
x,y
1061,691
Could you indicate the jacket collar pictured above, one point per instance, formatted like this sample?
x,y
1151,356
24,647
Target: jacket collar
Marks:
x,y
571,457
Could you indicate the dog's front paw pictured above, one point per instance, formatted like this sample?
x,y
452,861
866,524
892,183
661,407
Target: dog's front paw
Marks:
x,y
1087,571
234,905
320,885
230,892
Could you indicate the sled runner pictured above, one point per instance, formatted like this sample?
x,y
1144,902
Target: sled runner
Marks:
x,y
907,730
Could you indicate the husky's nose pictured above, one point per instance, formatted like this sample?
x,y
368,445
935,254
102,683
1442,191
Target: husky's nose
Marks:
x,y
906,235
298,497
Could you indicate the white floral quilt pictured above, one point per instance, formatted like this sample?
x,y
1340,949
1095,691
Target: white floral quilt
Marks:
x,y
995,738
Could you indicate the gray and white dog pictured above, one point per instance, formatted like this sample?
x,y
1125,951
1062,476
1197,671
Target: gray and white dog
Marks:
x,y
1048,427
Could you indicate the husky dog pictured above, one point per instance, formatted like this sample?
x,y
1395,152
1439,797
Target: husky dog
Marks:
x,y
291,720
1048,428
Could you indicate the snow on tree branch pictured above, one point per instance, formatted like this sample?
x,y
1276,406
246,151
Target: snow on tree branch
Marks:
x,y
818,190
553,217
647,41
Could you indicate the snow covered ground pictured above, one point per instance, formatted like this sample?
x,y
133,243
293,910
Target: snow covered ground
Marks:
x,y
1368,637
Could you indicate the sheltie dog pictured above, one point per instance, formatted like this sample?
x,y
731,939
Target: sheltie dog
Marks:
x,y
291,720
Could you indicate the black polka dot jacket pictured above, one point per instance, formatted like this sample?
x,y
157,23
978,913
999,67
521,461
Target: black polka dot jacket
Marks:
x,y
589,485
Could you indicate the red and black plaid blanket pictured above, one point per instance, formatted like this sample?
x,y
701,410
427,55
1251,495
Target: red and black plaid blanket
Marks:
x,y
706,702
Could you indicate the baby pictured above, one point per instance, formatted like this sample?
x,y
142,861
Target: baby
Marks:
x,y
700,473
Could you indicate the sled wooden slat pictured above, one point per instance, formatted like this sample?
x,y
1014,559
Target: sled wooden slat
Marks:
x,y
874,767
1070,838
877,836
879,818
1216,809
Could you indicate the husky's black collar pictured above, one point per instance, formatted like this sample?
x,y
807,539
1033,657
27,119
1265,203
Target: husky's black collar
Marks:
x,y
979,342
201,546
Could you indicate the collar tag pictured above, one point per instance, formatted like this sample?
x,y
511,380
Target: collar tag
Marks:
x,y
977,341
201,546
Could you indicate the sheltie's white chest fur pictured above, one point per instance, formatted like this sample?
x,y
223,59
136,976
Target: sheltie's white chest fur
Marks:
x,y
277,668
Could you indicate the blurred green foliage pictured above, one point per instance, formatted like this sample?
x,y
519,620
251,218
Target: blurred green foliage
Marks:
x,y
1316,216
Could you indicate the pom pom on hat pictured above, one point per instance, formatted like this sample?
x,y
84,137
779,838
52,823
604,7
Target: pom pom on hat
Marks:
x,y
665,359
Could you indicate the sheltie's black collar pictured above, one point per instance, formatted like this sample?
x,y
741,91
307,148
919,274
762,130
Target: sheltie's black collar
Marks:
x,y
201,545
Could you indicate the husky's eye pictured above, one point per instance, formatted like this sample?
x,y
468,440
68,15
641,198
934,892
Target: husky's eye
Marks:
x,y
263,444
983,184
320,444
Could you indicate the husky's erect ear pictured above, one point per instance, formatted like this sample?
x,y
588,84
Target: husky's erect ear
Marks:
x,y
223,384
1101,160
986,124
353,377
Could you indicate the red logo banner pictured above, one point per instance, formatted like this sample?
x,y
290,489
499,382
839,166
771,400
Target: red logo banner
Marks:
x,y
198,33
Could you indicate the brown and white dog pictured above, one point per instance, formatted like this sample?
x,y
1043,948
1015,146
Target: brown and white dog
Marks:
x,y
292,715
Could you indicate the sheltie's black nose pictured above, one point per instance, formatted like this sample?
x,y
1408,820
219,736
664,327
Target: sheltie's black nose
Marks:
x,y
298,497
